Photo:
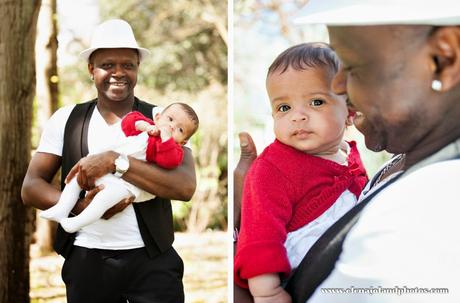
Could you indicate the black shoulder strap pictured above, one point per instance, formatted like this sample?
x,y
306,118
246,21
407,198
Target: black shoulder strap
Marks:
x,y
76,136
74,148
319,262
143,107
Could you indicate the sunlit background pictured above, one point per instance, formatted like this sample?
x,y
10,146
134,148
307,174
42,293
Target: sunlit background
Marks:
x,y
188,41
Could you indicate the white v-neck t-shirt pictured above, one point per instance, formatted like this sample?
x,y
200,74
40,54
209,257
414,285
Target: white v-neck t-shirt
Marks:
x,y
121,231
404,247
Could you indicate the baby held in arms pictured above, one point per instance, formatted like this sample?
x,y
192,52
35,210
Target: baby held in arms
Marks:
x,y
302,182
156,141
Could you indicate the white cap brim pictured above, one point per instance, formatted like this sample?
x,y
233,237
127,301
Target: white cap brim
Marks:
x,y
341,13
143,52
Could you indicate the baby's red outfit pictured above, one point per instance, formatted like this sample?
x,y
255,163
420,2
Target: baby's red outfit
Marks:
x,y
284,190
166,154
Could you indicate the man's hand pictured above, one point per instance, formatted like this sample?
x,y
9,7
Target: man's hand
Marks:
x,y
241,295
91,168
83,203
120,206
248,155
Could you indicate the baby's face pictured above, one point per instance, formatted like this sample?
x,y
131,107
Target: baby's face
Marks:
x,y
307,114
177,121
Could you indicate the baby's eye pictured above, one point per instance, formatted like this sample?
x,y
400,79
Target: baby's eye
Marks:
x,y
284,108
181,130
316,102
170,119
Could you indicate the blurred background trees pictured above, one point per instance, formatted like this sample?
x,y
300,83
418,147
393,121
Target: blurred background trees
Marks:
x,y
189,64
188,41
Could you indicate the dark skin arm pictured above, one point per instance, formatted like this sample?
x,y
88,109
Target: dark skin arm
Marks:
x,y
176,184
37,190
248,154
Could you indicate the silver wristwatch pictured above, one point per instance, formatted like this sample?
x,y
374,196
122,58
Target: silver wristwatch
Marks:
x,y
121,165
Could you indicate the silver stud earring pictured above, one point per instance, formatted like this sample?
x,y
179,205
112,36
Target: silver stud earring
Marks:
x,y
436,85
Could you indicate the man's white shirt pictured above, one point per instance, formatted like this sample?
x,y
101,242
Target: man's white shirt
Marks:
x,y
407,237
121,231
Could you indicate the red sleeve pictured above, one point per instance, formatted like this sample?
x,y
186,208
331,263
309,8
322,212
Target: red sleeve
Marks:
x,y
265,211
166,154
128,124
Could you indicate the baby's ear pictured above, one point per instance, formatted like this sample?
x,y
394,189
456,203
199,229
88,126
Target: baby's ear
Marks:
x,y
350,117
183,142
156,117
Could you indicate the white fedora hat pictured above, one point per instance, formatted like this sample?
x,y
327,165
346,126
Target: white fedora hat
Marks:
x,y
380,12
115,33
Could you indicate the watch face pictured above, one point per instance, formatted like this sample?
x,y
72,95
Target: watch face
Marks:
x,y
121,164
124,165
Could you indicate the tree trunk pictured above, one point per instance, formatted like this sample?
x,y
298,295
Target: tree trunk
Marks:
x,y
17,88
47,97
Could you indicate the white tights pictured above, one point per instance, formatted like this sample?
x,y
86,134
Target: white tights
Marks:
x,y
114,191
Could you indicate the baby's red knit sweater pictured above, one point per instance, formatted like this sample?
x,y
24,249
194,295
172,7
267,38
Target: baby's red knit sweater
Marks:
x,y
167,154
284,190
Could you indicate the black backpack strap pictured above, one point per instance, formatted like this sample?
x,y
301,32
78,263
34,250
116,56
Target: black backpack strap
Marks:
x,y
74,148
319,262
143,107
76,136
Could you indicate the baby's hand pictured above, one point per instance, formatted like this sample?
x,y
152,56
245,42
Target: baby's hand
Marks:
x,y
152,130
280,297
165,133
266,288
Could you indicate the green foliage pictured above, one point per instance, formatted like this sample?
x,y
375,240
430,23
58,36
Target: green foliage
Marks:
x,y
188,64
186,39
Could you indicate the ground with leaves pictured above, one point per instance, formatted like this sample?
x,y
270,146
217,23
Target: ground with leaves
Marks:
x,y
205,277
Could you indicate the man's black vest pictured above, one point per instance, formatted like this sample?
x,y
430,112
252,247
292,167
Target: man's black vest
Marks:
x,y
154,217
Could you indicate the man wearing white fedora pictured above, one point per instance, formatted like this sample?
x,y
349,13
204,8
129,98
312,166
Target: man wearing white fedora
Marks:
x,y
128,256
401,71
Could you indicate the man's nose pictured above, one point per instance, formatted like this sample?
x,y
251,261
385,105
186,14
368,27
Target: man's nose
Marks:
x,y
118,70
339,83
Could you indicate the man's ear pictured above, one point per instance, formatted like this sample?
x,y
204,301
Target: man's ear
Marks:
x,y
445,45
91,70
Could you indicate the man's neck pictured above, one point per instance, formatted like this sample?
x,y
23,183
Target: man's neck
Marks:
x,y
112,111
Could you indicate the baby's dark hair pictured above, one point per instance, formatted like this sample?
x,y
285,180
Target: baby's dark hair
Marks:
x,y
306,55
190,113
